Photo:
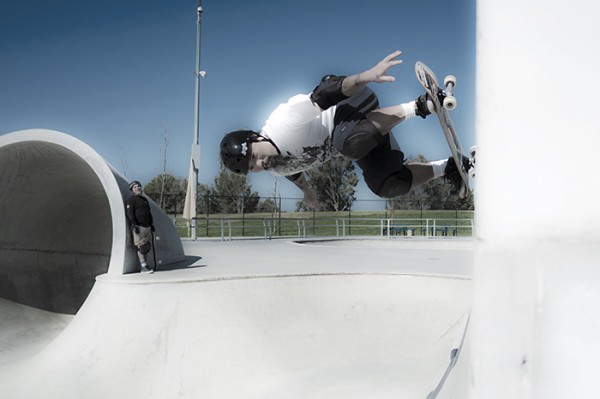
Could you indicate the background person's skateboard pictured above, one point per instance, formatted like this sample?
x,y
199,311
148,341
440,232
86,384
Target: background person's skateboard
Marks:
x,y
430,83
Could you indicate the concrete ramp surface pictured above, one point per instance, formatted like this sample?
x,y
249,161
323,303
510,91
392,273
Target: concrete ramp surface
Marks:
x,y
296,336
25,331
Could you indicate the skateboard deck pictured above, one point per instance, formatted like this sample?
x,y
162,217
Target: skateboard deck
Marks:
x,y
430,83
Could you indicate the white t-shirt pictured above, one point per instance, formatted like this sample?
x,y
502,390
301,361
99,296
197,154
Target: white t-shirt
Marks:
x,y
302,132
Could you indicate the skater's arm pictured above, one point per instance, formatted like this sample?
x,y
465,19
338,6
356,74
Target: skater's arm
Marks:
x,y
299,180
334,89
377,74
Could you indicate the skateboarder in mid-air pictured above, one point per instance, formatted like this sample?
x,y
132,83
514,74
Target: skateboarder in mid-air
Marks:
x,y
341,117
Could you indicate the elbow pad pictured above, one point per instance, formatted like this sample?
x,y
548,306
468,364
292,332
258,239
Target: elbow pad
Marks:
x,y
328,92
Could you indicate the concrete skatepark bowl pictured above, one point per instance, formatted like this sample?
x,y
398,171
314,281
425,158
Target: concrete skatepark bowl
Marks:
x,y
377,318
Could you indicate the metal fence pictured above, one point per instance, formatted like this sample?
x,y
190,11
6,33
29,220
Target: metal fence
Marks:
x,y
229,228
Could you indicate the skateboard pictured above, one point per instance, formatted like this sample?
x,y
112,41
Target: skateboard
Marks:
x,y
430,83
157,262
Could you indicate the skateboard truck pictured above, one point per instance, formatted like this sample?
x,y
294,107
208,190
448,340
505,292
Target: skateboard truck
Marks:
x,y
449,100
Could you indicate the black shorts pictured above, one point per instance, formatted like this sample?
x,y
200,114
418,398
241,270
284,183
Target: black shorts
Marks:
x,y
386,160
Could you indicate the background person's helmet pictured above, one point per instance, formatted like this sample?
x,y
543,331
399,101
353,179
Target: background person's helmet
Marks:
x,y
133,183
235,150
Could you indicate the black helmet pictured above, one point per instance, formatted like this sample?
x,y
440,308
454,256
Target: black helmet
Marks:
x,y
133,183
235,150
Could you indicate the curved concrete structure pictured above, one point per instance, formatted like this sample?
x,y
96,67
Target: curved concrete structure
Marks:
x,y
306,321
63,221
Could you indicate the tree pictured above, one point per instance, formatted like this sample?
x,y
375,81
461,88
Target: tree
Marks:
x,y
334,183
233,194
165,146
172,190
268,205
206,200
438,194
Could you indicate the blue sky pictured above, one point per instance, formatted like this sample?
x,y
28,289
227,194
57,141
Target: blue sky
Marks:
x,y
115,74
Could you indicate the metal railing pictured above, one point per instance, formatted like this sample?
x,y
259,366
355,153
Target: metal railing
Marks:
x,y
229,225
267,228
388,227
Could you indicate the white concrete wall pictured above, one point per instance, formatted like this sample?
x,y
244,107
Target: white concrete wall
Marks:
x,y
63,222
537,279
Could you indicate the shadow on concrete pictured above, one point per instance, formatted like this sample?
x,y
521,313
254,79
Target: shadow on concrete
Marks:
x,y
188,263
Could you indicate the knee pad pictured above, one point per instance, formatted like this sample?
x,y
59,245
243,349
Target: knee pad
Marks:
x,y
395,186
362,140
387,177
144,248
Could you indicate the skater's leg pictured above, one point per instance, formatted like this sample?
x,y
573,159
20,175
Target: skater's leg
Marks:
x,y
384,170
421,172
414,174
384,119
361,140
388,176
360,125
353,134
369,132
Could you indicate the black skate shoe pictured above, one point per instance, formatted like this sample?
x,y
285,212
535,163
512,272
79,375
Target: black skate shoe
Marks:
x,y
452,175
424,105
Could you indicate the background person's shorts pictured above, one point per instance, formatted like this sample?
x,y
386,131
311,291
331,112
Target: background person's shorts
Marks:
x,y
144,235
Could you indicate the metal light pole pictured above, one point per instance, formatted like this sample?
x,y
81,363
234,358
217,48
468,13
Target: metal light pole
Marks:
x,y
196,144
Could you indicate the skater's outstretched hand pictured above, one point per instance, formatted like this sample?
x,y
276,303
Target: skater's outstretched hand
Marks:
x,y
377,74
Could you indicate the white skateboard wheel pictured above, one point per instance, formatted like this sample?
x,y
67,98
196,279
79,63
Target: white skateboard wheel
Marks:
x,y
449,103
473,159
473,151
450,79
